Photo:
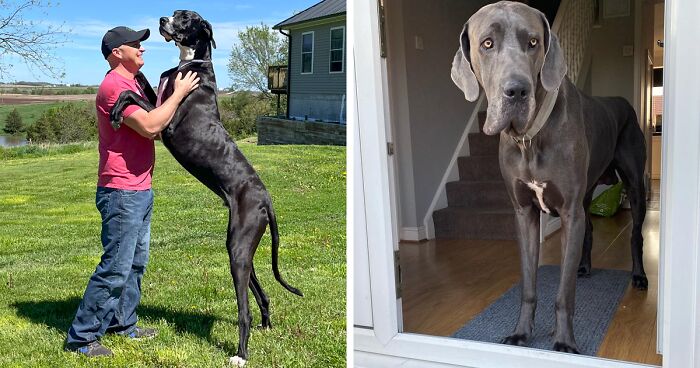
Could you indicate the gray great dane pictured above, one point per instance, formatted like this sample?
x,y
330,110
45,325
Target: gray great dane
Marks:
x,y
555,144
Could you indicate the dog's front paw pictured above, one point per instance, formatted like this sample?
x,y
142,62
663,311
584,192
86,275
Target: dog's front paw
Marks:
x,y
515,339
640,282
584,271
116,120
236,361
566,348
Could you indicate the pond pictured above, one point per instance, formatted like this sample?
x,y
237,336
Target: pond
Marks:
x,y
12,141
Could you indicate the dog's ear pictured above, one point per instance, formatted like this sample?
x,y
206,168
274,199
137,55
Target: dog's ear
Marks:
x,y
554,66
209,32
462,73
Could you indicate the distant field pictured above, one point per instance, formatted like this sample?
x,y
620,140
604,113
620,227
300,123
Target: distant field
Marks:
x,y
19,99
46,90
29,112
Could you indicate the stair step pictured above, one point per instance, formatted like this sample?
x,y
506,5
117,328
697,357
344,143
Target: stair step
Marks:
x,y
474,223
479,168
478,204
481,144
477,194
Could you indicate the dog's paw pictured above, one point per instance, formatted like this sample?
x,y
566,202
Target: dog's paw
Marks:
x,y
265,326
236,361
116,121
566,348
640,282
584,271
515,339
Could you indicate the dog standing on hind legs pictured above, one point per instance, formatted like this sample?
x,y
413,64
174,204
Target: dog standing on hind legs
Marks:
x,y
199,142
555,143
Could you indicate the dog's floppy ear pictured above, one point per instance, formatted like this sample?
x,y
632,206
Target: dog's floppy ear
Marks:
x,y
462,73
554,67
209,32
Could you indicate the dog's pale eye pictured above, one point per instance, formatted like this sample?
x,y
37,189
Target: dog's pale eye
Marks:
x,y
487,44
533,42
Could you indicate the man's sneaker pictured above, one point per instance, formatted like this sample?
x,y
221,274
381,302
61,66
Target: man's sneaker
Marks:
x,y
142,333
93,349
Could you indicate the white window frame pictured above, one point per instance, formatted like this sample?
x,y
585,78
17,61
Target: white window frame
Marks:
x,y
331,49
384,345
313,46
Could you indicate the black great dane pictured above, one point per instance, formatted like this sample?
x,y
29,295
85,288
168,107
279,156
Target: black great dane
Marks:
x,y
199,142
555,144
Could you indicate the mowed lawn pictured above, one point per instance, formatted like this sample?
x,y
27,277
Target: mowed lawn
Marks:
x,y
50,245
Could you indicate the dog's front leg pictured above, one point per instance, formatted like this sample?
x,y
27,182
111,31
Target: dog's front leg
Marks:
x,y
125,99
573,230
528,224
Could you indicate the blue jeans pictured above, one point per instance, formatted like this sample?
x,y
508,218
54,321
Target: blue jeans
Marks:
x,y
114,290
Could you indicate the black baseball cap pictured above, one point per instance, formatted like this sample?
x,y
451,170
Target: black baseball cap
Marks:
x,y
118,36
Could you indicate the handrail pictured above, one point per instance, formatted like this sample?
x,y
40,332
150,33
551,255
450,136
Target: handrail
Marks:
x,y
572,25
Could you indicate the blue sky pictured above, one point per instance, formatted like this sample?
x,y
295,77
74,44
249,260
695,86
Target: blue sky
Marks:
x,y
88,21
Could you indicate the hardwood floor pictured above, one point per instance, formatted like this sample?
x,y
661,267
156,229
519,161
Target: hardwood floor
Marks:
x,y
445,283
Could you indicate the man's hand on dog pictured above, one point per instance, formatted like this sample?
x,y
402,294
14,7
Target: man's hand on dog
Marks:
x,y
185,85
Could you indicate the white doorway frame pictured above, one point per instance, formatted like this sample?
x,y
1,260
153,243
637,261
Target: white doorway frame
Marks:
x,y
383,345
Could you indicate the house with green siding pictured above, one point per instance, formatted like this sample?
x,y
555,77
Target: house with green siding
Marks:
x,y
317,62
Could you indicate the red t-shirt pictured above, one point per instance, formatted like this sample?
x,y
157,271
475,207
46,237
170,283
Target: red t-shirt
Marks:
x,y
126,158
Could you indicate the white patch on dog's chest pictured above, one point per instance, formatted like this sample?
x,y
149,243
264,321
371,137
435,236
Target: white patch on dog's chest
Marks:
x,y
538,188
186,53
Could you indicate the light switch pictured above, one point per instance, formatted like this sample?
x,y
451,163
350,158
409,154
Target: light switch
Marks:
x,y
419,43
628,50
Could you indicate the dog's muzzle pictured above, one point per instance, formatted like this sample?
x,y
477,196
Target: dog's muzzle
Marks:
x,y
166,28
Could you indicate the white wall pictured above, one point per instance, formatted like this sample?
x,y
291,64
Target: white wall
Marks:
x,y
658,34
612,74
429,113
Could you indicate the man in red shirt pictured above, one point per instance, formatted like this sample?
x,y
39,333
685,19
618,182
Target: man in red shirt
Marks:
x,y
124,196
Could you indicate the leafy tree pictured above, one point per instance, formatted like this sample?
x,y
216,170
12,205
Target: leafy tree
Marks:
x,y
71,122
28,40
258,48
41,131
13,123
240,111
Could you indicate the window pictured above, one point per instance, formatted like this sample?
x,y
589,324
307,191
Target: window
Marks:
x,y
337,49
307,53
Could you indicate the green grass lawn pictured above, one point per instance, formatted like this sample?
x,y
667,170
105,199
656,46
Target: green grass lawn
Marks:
x,y
29,112
49,247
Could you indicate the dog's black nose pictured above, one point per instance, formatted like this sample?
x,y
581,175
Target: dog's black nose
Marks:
x,y
515,90
163,20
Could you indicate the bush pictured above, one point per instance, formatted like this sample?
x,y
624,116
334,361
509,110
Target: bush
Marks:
x,y
72,122
13,123
239,112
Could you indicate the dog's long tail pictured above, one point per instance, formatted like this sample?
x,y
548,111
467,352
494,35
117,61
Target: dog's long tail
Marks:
x,y
275,252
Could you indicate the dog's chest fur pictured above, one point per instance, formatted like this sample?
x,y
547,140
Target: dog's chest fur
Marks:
x,y
533,184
